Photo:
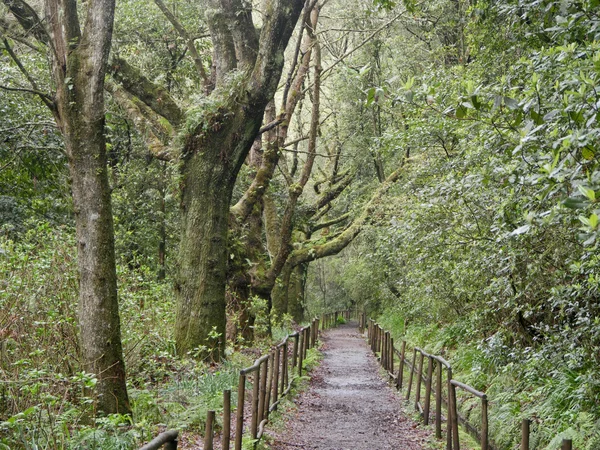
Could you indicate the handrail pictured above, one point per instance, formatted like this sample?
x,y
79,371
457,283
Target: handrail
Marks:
x,y
468,388
167,438
272,376
381,343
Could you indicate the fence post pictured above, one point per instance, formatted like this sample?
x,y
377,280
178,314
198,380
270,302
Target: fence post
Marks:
x,y
412,371
295,350
284,367
255,395
454,415
239,425
438,400
269,386
391,355
226,419
384,337
208,435
525,434
419,380
262,395
567,444
484,423
428,389
449,422
401,368
276,375
306,342
300,352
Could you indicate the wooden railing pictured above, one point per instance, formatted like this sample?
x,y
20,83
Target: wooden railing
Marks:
x,y
382,343
271,376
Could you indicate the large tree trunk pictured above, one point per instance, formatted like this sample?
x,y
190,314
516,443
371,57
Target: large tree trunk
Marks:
x,y
201,282
79,61
81,117
98,302
213,155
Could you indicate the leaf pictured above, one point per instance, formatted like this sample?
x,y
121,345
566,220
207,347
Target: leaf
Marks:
x,y
591,221
587,153
537,117
575,203
521,230
461,111
370,96
589,193
511,103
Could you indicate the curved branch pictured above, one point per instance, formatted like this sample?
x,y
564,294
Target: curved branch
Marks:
x,y
155,97
341,241
191,46
28,19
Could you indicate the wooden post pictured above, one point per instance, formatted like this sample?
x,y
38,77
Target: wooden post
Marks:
x,y
226,419
276,376
401,368
269,386
525,434
383,356
306,343
239,425
208,435
419,380
300,353
428,389
454,408
262,395
412,371
567,444
391,355
295,350
449,418
438,401
284,366
484,423
255,395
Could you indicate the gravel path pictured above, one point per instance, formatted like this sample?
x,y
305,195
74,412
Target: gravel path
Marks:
x,y
348,405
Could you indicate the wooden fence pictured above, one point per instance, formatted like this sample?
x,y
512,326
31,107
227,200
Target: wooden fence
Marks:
x,y
382,343
271,377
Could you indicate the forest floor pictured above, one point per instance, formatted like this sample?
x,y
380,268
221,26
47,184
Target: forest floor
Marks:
x,y
348,405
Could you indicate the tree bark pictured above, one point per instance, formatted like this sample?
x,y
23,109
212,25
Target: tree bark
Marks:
x,y
79,61
213,155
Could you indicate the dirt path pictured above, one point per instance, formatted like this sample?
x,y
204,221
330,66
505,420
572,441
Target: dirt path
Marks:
x,y
348,406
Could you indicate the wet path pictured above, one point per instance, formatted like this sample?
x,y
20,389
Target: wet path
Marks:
x,y
348,405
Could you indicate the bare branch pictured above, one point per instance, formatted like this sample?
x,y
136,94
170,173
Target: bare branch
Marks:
x,y
189,42
45,98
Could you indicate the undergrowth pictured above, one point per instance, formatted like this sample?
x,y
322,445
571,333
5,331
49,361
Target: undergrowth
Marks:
x,y
561,401
47,400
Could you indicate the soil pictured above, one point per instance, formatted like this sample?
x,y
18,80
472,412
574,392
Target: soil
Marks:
x,y
348,405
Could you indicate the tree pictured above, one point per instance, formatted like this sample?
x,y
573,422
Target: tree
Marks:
x,y
79,59
218,132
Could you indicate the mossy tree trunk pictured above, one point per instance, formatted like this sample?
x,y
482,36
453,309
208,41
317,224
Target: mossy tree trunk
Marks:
x,y
213,155
79,62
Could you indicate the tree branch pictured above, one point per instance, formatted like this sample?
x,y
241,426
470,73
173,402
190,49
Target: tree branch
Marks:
x,y
45,98
333,247
189,42
329,223
155,97
28,19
